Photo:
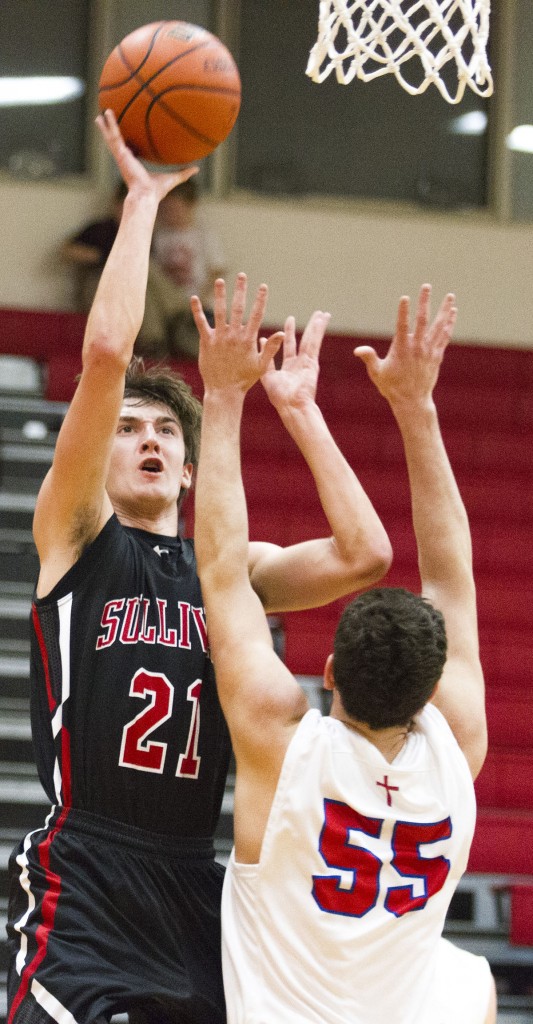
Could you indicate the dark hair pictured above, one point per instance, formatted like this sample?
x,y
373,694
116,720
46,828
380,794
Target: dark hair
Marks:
x,y
162,385
188,190
121,191
388,654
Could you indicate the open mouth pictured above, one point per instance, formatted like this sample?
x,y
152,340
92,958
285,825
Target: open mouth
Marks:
x,y
152,466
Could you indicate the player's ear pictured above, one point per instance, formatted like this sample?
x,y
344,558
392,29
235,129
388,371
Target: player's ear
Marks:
x,y
434,692
329,678
187,475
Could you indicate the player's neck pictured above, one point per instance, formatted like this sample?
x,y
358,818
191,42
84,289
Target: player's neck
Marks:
x,y
165,524
389,741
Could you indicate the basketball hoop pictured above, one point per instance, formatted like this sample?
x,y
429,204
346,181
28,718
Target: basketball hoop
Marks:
x,y
368,38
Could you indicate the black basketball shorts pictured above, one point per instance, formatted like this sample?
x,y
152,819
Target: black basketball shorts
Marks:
x,y
105,918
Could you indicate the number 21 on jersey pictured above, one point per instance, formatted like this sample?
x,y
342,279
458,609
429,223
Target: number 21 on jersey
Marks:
x,y
148,755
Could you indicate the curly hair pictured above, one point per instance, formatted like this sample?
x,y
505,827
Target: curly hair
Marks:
x,y
163,386
388,654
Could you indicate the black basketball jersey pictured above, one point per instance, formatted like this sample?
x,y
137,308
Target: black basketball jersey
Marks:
x,y
125,715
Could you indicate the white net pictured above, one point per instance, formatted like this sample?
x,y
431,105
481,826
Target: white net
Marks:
x,y
421,42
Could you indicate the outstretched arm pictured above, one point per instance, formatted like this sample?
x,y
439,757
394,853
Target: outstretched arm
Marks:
x,y
73,505
358,551
260,698
406,377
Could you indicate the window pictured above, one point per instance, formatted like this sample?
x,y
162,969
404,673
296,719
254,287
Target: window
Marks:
x,y
46,97
43,87
521,115
127,15
365,139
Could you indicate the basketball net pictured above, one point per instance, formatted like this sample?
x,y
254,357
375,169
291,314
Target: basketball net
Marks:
x,y
368,38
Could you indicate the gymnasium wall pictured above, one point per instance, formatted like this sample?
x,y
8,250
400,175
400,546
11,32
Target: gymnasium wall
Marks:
x,y
354,260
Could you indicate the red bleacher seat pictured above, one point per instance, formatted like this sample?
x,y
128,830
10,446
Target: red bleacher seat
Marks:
x,y
521,914
54,338
506,779
503,842
506,653
497,601
509,717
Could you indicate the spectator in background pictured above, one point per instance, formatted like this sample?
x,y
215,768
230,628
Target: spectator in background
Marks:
x,y
186,248
89,248
186,258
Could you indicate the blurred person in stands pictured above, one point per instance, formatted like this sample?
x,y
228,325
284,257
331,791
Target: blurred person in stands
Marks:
x,y
115,901
352,830
189,252
167,329
88,249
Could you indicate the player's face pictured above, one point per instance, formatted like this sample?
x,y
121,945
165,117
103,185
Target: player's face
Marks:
x,y
148,468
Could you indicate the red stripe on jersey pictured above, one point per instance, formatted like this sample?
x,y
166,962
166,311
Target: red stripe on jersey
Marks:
x,y
66,773
49,906
44,656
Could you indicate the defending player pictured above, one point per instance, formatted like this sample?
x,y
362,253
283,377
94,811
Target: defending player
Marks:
x,y
115,902
351,830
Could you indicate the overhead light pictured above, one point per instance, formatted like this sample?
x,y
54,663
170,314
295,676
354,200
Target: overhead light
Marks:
x,y
32,90
473,123
521,138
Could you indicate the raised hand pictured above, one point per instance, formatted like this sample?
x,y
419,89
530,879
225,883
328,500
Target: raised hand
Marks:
x,y
411,367
134,173
295,383
231,352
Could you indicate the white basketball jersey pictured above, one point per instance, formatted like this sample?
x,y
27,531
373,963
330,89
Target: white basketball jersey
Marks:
x,y
341,920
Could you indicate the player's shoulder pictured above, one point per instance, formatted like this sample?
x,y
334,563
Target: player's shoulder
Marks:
x,y
442,742
431,717
434,725
312,728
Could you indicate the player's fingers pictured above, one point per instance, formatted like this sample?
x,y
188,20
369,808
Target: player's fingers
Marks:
x,y
121,153
401,335
219,305
110,118
313,335
447,318
268,347
422,316
100,123
289,344
447,305
238,302
271,368
181,176
199,316
106,122
440,323
257,312
369,357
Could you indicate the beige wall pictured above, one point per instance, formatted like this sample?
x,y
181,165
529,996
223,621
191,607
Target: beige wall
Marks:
x,y
353,260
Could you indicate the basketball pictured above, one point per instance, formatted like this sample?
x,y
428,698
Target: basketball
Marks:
x,y
175,91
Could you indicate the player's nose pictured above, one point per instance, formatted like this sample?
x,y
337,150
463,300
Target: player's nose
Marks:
x,y
149,440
